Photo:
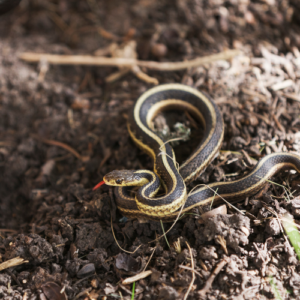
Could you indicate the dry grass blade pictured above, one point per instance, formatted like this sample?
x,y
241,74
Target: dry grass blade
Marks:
x,y
193,273
113,232
163,229
228,203
284,188
12,263
175,221
221,240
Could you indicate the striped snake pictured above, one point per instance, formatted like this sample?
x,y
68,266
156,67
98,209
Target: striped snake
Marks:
x,y
146,204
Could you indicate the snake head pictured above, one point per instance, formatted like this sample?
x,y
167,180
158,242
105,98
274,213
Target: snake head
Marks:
x,y
122,178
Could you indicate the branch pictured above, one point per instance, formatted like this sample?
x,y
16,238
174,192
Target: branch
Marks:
x,y
121,62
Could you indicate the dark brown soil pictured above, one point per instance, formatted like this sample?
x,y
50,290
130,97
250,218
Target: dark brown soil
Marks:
x,y
49,214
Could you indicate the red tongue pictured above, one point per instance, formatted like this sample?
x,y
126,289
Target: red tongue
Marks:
x,y
98,185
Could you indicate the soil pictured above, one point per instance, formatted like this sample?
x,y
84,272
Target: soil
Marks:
x,y
62,128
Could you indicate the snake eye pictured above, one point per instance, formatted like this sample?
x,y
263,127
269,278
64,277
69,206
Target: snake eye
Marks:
x,y
119,181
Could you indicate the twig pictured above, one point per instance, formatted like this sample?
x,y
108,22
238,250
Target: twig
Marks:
x,y
193,273
175,221
117,62
149,259
163,229
228,203
259,253
7,230
212,276
62,145
115,76
190,269
113,232
143,76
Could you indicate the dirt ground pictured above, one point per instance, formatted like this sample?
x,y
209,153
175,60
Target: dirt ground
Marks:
x,y
62,128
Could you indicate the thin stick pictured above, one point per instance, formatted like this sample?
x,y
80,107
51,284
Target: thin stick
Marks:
x,y
228,203
113,232
7,230
193,273
175,221
163,229
62,145
212,277
285,189
190,269
149,259
118,62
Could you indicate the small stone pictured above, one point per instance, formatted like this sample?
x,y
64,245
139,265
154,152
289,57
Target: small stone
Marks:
x,y
159,50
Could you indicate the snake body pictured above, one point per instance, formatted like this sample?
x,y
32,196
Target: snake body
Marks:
x,y
145,205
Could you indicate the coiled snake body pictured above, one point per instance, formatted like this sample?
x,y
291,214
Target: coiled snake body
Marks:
x,y
145,205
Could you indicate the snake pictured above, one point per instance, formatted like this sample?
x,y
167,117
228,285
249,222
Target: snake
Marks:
x,y
147,203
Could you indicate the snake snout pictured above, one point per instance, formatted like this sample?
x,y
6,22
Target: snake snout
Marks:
x,y
120,178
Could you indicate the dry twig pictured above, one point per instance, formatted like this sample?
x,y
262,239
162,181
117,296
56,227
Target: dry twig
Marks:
x,y
212,276
190,269
113,232
193,273
62,145
119,62
149,259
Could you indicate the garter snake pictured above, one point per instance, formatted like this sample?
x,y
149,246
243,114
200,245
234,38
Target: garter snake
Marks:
x,y
166,172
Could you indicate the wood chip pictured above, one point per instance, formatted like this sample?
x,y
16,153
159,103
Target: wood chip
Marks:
x,y
282,85
12,263
137,277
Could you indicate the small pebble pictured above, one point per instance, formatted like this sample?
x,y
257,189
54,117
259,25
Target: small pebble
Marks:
x,y
159,50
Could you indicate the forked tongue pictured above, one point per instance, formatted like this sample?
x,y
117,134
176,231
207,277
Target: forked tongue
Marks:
x,y
98,185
